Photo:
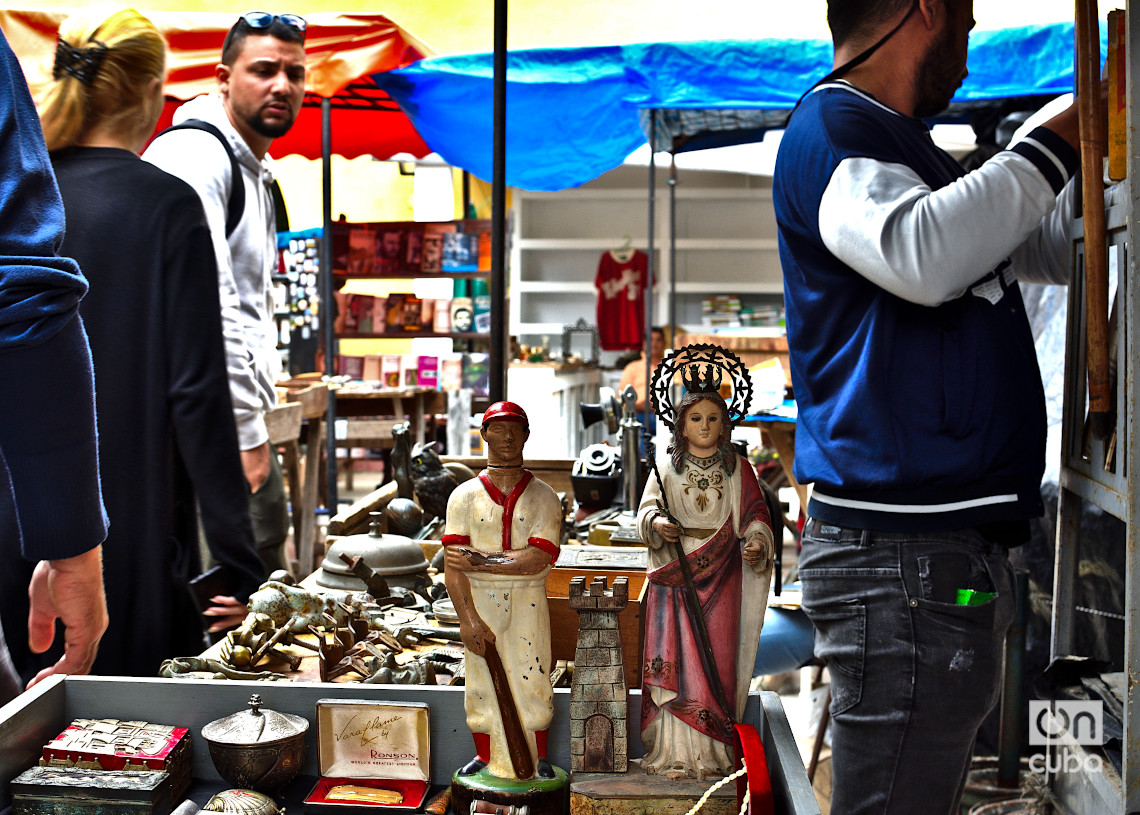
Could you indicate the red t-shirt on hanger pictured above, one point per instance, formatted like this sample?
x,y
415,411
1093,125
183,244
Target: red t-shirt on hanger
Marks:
x,y
621,300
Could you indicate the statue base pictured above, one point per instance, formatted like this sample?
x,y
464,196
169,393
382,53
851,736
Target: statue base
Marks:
x,y
542,796
633,793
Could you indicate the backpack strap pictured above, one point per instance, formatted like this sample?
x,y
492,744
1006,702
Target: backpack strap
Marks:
x,y
235,207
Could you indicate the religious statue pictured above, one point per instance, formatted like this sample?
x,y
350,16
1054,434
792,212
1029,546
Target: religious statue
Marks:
x,y
502,535
709,535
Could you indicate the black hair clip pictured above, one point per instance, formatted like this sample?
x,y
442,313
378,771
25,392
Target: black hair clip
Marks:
x,y
81,63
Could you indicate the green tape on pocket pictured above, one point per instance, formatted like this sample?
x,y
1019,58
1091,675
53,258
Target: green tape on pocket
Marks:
x,y
972,597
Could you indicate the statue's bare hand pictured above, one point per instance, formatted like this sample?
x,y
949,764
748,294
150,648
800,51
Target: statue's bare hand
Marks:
x,y
758,554
666,529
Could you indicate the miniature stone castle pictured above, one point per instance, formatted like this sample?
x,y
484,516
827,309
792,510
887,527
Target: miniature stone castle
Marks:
x,y
599,708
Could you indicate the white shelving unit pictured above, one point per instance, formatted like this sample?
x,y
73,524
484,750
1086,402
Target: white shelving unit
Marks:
x,y
725,244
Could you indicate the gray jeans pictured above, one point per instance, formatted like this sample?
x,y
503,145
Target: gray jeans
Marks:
x,y
913,674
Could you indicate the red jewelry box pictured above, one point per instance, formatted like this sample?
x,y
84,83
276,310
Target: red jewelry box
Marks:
x,y
370,745
111,744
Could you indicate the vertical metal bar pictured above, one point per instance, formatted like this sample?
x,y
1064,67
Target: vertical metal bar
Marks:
x,y
652,272
672,321
1012,714
326,286
1129,429
498,359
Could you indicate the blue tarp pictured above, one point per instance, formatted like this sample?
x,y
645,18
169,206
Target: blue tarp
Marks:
x,y
573,113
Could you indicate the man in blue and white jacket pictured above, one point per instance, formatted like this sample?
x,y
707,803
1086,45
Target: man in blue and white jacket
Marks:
x,y
921,413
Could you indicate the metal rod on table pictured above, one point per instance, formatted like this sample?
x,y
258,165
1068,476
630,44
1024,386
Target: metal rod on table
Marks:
x,y
498,360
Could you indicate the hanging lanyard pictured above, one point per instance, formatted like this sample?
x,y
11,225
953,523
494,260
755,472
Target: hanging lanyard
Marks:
x,y
855,61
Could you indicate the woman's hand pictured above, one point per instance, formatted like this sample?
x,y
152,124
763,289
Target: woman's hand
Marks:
x,y
227,611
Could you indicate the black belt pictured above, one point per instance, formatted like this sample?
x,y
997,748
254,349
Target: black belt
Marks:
x,y
1000,533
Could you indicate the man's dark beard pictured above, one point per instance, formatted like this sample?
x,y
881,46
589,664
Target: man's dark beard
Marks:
x,y
938,78
270,131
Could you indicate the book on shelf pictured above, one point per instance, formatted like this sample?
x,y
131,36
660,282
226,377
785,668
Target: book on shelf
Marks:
x,y
379,314
431,254
481,229
462,316
428,372
371,372
477,374
390,370
394,319
361,250
481,306
409,371
441,316
350,366
451,372
413,313
460,252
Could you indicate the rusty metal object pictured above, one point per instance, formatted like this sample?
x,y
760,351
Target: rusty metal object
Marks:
x,y
188,667
280,602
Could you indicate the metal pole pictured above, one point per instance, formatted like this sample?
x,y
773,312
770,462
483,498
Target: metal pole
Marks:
x,y
498,360
652,272
1012,715
672,322
327,304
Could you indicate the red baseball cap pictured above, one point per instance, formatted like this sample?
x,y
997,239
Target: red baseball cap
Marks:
x,y
505,412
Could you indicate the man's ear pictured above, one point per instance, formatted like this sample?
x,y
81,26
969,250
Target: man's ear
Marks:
x,y
483,432
932,12
222,73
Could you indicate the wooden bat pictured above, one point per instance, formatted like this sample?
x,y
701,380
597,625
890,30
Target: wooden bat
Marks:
x,y
1092,193
517,745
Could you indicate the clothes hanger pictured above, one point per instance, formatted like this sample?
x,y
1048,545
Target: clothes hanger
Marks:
x,y
624,253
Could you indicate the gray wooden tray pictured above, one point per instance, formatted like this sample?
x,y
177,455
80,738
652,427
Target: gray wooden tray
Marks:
x,y
35,717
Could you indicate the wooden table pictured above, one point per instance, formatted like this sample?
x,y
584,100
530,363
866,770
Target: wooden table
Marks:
x,y
412,403
312,397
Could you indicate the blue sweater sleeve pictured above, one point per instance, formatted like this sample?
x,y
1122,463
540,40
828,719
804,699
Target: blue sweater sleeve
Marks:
x,y
49,487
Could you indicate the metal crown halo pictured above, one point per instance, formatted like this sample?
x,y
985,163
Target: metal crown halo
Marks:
x,y
702,367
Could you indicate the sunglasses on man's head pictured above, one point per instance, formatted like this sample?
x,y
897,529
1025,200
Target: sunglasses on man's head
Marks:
x,y
264,19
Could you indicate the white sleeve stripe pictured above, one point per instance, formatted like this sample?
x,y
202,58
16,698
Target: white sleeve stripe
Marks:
x,y
1048,154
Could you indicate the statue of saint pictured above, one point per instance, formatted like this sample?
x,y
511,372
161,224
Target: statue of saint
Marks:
x,y
702,623
501,537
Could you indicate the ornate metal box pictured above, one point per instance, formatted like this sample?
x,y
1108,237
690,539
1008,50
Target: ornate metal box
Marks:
x,y
72,791
112,744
